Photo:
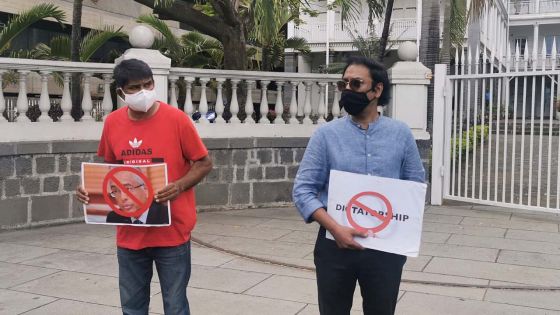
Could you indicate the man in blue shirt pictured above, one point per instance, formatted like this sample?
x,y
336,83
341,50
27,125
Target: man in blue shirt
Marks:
x,y
363,142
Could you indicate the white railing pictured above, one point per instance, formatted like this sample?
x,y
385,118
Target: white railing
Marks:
x,y
236,97
530,7
502,143
316,32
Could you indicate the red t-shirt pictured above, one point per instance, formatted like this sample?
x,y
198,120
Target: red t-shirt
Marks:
x,y
168,136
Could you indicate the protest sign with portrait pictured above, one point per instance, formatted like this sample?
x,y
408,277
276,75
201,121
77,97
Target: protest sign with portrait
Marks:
x,y
389,210
124,195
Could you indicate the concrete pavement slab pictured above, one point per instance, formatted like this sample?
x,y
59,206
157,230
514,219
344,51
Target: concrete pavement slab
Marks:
x,y
12,302
300,262
84,243
14,274
468,212
509,224
272,213
494,271
258,233
68,307
223,218
209,302
85,229
416,263
287,288
504,243
457,251
227,280
76,261
550,237
208,257
460,292
529,259
463,229
538,299
435,277
290,225
299,237
263,247
77,286
427,304
15,253
435,237
257,266
438,218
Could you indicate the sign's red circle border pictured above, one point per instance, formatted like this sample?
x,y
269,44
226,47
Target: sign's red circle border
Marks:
x,y
384,222
147,183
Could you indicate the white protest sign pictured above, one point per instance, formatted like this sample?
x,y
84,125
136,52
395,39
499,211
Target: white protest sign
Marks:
x,y
389,210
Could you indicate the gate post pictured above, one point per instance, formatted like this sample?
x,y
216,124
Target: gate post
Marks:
x,y
438,135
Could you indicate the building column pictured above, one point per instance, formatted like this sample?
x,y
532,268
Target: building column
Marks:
x,y
535,41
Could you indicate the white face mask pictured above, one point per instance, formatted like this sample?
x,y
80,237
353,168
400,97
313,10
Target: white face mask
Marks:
x,y
141,101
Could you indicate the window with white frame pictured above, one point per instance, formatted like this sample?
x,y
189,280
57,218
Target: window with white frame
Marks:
x,y
549,39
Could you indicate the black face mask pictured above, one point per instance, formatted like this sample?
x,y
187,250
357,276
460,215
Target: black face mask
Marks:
x,y
354,102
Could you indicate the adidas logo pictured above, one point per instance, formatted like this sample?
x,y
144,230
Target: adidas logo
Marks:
x,y
135,144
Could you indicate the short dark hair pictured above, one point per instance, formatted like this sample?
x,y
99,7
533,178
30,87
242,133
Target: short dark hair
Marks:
x,y
131,70
377,73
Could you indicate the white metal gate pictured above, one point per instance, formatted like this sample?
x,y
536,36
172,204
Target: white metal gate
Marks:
x,y
495,132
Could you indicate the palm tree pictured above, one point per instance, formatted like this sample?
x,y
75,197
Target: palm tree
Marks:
x,y
75,56
229,21
19,23
192,50
386,27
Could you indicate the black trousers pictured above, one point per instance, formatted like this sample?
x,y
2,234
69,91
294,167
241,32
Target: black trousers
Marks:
x,y
378,273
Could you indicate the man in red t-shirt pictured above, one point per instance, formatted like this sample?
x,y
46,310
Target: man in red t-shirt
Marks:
x,y
148,131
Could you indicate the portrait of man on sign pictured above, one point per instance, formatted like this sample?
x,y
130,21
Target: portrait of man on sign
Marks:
x,y
124,195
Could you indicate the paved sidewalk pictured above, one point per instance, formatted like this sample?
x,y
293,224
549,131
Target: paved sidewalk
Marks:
x,y
468,256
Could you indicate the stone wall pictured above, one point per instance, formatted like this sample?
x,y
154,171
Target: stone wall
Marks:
x,y
38,179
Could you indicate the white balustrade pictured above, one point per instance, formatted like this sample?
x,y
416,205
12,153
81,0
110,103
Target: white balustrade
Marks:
x,y
264,102
307,105
87,104
321,110
44,101
107,104
66,102
188,106
249,102
203,105
335,110
294,108
22,104
173,90
2,100
278,106
234,104
219,108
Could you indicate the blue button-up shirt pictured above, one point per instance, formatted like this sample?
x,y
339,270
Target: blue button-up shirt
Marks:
x,y
387,149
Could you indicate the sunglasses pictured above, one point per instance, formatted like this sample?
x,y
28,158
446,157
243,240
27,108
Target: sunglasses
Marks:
x,y
354,84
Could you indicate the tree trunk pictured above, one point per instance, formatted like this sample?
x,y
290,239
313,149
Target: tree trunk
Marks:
x,y
386,29
445,56
429,47
235,51
75,56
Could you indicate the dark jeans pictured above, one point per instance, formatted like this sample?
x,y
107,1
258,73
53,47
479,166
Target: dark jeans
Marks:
x,y
173,266
379,274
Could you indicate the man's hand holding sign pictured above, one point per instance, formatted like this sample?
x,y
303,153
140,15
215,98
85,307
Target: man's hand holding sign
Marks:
x,y
387,213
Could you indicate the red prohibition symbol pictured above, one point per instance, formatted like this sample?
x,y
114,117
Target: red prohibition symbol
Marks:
x,y
143,206
385,220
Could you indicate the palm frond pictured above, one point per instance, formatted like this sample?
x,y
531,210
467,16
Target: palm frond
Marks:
x,y
59,47
376,9
477,8
299,44
95,39
19,23
168,40
458,22
350,10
